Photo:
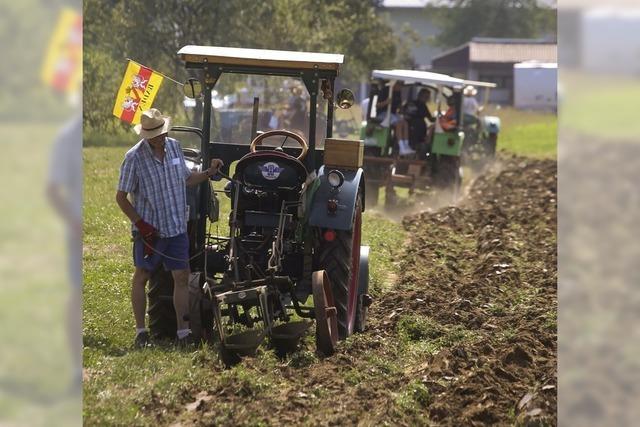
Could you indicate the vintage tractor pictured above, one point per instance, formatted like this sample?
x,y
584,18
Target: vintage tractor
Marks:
x,y
293,252
481,132
436,162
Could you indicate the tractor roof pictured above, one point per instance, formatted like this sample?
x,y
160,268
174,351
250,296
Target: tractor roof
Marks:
x,y
261,57
415,76
426,78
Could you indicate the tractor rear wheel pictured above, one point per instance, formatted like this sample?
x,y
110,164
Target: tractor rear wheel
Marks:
x,y
340,258
448,172
162,315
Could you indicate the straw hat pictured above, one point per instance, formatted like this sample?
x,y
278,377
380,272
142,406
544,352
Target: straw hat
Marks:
x,y
152,123
470,91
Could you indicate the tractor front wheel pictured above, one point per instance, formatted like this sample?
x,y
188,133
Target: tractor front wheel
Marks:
x,y
325,312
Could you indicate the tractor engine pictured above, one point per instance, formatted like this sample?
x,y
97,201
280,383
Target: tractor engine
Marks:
x,y
264,216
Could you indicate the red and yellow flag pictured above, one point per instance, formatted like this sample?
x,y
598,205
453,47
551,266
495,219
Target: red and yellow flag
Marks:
x,y
137,92
62,67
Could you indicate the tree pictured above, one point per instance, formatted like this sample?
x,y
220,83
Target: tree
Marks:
x,y
461,20
152,33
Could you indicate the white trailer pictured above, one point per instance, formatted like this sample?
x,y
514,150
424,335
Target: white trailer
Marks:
x,y
535,85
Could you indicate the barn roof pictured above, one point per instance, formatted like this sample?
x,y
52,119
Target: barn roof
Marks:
x,y
504,50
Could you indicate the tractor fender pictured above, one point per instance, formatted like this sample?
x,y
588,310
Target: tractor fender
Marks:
x,y
345,195
491,124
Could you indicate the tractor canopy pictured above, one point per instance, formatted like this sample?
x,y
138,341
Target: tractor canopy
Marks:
x,y
315,72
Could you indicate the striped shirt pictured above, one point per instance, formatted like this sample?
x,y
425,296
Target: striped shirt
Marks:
x,y
158,187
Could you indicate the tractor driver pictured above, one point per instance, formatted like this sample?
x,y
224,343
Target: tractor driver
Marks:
x,y
449,121
416,112
155,174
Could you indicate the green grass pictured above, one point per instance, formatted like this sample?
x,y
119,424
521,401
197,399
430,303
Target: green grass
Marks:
x,y
122,383
600,106
419,334
527,133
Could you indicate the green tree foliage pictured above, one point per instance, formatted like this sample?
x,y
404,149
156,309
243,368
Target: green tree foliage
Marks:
x,y
152,32
461,20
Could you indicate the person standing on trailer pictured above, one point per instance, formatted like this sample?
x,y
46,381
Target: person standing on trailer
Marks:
x,y
396,121
470,107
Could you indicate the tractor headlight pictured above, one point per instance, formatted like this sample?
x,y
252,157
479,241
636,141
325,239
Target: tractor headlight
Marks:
x,y
335,178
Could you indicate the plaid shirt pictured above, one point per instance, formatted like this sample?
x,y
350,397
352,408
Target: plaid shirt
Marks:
x,y
158,188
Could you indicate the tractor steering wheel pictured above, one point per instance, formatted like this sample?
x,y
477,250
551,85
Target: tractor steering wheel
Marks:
x,y
299,139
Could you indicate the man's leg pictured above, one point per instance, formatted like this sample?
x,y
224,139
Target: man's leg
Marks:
x,y
138,296
177,261
181,297
403,129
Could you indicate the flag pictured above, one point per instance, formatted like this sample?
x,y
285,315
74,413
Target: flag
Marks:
x,y
62,67
137,92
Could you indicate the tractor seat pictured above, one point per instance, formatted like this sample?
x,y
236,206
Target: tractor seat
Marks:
x,y
271,170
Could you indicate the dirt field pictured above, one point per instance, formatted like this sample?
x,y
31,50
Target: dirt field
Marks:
x,y
465,336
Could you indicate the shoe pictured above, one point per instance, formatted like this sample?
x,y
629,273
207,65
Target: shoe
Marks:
x,y
142,340
187,342
405,149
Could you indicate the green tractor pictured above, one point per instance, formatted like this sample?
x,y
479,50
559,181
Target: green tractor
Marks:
x,y
436,158
292,257
480,130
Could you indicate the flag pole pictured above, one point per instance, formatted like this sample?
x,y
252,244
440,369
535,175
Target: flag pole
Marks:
x,y
163,75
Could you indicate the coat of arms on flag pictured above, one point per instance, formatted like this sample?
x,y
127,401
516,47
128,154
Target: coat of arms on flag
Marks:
x,y
62,67
137,92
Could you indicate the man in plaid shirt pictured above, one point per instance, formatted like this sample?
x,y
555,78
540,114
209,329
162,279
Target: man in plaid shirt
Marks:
x,y
155,174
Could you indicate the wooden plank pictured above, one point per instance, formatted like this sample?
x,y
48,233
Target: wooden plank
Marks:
x,y
343,153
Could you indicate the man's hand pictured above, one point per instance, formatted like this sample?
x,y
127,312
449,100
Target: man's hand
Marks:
x,y
148,233
210,172
214,167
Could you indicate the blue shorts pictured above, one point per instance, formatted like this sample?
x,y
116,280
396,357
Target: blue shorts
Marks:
x,y
173,247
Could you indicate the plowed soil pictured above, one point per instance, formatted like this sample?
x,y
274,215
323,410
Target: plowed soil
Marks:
x,y
464,335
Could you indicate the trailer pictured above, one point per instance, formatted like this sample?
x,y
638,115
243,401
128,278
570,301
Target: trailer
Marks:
x,y
535,86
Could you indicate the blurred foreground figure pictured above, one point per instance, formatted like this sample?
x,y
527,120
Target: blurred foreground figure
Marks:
x,y
64,191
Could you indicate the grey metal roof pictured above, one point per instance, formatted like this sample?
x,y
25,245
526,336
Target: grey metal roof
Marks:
x,y
507,50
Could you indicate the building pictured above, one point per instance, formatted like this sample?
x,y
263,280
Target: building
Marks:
x,y
492,60
412,14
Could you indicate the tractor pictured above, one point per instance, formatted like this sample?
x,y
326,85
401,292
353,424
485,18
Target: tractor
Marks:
x,y
292,256
437,158
481,132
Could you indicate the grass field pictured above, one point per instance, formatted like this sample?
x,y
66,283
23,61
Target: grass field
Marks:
x,y
527,133
123,385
